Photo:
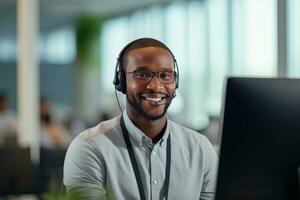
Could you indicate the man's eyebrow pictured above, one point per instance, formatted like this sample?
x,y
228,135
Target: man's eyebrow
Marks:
x,y
141,68
135,68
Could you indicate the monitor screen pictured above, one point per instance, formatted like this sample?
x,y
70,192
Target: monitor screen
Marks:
x,y
260,148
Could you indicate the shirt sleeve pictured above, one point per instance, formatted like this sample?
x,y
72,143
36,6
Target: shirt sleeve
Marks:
x,y
84,171
210,176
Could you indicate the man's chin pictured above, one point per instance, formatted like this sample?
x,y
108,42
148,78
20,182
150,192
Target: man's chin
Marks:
x,y
153,117
138,108
150,116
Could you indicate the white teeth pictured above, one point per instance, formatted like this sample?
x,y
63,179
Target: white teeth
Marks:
x,y
153,99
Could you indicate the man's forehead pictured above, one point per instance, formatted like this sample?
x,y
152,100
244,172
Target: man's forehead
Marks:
x,y
154,59
148,56
142,44
144,51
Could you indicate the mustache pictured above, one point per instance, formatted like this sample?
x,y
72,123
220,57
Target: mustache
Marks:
x,y
155,92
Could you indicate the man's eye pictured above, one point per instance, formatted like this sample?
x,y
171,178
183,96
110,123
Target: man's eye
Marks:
x,y
142,74
166,75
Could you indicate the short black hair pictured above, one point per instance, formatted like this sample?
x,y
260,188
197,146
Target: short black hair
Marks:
x,y
141,43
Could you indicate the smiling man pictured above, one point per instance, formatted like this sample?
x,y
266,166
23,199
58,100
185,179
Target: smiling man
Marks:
x,y
141,154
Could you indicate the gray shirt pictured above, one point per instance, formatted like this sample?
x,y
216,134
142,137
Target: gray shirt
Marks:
x,y
98,166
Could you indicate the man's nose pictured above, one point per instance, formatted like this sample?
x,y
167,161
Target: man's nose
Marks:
x,y
154,83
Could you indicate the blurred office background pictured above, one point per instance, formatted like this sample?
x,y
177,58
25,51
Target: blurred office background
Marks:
x,y
78,41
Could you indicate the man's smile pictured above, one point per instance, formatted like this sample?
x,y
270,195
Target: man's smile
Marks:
x,y
155,98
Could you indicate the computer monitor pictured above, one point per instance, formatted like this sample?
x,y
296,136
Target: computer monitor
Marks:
x,y
260,148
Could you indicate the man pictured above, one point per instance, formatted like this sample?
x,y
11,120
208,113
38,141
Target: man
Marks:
x,y
8,120
141,154
53,135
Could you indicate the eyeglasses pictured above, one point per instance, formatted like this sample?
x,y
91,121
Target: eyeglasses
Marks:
x,y
164,77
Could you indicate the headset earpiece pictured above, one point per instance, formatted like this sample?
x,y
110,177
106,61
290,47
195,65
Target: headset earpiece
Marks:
x,y
116,79
177,73
119,79
122,82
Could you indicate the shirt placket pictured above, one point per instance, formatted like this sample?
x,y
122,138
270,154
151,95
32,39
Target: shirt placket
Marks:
x,y
156,174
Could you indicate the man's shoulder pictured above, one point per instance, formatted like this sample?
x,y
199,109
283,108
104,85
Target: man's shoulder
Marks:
x,y
186,133
103,129
192,141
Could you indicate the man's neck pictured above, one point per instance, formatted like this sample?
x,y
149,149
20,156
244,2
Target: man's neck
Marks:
x,y
151,128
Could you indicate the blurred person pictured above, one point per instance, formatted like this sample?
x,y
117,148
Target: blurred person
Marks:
x,y
8,120
74,125
54,135
142,154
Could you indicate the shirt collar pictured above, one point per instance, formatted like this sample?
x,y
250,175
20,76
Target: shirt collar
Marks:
x,y
141,138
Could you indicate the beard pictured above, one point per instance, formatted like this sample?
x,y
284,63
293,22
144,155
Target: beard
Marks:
x,y
139,109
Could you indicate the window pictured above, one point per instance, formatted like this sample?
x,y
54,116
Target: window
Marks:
x,y
7,49
58,46
293,11
114,38
254,37
218,53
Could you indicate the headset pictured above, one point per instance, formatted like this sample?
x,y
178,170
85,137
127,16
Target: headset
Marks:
x,y
120,79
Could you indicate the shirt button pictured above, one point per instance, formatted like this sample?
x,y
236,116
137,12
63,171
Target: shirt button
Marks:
x,y
153,153
155,182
